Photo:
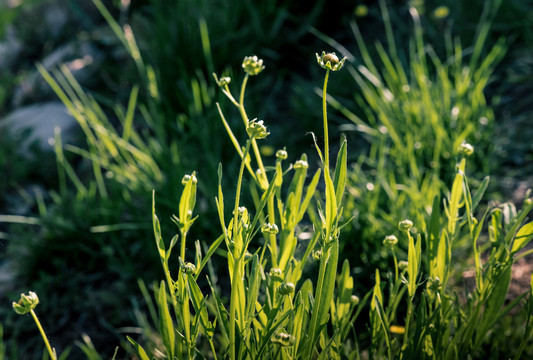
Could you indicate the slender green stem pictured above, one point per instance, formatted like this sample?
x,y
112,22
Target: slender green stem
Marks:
x,y
407,322
325,117
263,181
239,185
272,237
43,334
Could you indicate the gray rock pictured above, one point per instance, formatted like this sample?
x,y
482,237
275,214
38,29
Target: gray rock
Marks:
x,y
81,59
37,123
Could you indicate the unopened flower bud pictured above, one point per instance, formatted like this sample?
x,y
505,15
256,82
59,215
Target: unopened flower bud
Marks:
x,y
402,264
330,61
434,284
269,228
188,177
281,154
301,164
390,241
405,225
188,268
286,288
252,65
26,303
256,129
317,255
276,274
354,299
224,81
466,149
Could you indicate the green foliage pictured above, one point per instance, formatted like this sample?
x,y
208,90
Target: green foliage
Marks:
x,y
413,109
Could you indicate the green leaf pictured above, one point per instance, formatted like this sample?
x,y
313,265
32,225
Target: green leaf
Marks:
x,y
140,351
253,287
345,290
523,237
157,231
331,204
308,196
214,246
455,198
433,238
339,180
413,257
480,192
198,302
221,313
166,327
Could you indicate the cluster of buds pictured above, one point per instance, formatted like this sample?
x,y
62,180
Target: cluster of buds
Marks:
x,y
330,61
252,65
256,129
26,303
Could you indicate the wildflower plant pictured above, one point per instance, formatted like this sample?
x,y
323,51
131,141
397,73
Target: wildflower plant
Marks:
x,y
269,302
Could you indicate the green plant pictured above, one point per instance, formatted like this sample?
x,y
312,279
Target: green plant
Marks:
x,y
413,109
27,304
264,308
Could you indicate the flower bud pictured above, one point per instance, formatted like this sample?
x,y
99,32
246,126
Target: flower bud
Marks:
x,y
188,177
390,241
402,264
405,225
224,81
256,129
188,268
301,164
281,154
252,65
269,228
276,274
465,149
330,61
354,299
286,288
434,284
283,339
26,303
317,255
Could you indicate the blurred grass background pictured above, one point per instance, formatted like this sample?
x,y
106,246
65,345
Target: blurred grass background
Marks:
x,y
74,223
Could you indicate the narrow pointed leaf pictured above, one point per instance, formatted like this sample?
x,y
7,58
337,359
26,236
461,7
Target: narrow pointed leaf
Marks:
x,y
339,180
166,327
